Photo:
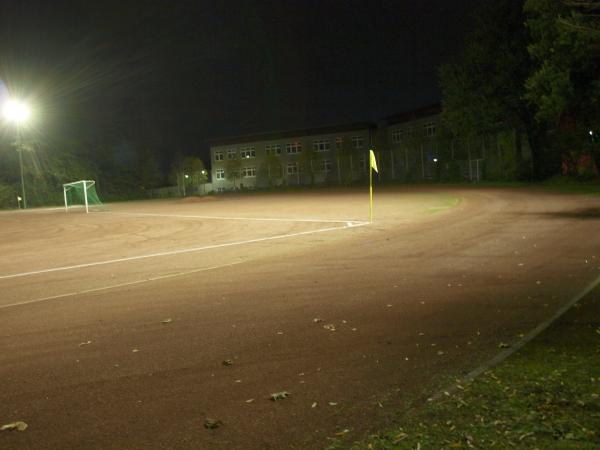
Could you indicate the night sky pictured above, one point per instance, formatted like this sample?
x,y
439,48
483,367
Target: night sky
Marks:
x,y
174,73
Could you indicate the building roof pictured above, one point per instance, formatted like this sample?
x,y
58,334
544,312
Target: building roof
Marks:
x,y
291,133
407,116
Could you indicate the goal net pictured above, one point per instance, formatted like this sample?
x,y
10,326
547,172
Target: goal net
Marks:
x,y
81,193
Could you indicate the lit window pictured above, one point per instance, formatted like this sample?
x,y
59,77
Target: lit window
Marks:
x,y
321,145
429,129
231,153
292,168
357,141
397,136
293,147
249,172
220,174
247,152
273,149
218,156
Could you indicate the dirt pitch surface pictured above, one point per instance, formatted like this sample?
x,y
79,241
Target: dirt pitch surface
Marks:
x,y
114,326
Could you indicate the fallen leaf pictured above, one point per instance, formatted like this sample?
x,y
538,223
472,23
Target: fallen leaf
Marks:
x,y
503,345
211,424
314,405
227,362
250,400
343,432
135,350
329,326
399,437
85,343
317,320
332,403
280,395
169,320
19,426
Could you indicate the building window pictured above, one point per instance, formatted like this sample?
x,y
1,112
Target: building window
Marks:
x,y
273,149
231,153
249,172
293,147
326,165
429,129
362,162
247,152
357,141
220,174
218,156
397,136
292,168
321,145
220,189
339,143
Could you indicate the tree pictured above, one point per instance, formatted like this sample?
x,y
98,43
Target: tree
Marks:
x,y
232,169
188,172
564,84
483,92
148,170
308,161
272,168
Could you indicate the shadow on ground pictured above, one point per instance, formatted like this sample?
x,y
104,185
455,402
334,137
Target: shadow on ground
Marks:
x,y
584,213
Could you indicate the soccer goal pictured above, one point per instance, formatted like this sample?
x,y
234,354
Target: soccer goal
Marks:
x,y
81,193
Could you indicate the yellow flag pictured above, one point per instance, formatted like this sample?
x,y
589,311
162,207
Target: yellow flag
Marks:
x,y
373,161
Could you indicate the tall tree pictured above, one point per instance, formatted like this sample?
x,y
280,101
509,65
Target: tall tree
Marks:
x,y
564,84
483,92
565,48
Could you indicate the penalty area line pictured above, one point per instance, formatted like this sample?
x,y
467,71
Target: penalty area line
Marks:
x,y
116,286
181,251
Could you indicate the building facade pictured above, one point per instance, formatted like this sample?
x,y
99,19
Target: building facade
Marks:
x,y
328,155
410,146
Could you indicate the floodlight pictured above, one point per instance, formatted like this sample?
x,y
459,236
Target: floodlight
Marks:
x,y
16,111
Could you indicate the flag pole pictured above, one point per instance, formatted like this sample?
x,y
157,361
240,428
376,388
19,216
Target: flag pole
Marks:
x,y
370,189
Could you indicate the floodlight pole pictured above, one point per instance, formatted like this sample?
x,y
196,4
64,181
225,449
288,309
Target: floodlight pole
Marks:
x,y
20,150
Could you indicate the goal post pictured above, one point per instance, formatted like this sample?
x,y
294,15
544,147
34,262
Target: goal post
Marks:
x,y
81,193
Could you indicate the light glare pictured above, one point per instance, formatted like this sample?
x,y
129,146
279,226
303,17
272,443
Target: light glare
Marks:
x,y
16,112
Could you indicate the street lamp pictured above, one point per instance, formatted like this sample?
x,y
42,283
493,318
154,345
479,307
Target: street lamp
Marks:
x,y
17,113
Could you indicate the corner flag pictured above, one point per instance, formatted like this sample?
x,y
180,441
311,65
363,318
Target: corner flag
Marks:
x,y
373,161
372,166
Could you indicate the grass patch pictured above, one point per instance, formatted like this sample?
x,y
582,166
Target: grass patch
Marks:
x,y
443,204
547,396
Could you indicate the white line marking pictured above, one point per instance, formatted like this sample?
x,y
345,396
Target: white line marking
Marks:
x,y
268,219
177,252
516,346
115,286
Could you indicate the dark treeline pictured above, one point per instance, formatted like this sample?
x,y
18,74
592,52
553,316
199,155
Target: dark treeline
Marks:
x,y
532,66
